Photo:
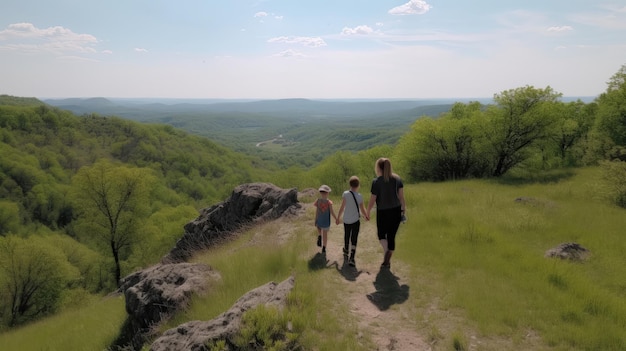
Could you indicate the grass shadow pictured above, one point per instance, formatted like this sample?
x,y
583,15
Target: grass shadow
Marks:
x,y
388,290
535,177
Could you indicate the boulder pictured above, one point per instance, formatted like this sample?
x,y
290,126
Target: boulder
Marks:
x,y
155,293
195,335
568,251
248,203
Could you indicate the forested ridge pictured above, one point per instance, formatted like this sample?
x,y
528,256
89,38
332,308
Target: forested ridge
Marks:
x,y
167,173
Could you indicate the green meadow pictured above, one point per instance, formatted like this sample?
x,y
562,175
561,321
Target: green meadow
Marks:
x,y
476,270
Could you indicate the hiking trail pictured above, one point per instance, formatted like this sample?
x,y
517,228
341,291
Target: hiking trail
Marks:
x,y
377,298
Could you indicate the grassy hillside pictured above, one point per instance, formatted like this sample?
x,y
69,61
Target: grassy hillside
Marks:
x,y
472,259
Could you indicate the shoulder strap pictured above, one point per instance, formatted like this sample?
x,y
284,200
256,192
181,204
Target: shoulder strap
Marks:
x,y
357,203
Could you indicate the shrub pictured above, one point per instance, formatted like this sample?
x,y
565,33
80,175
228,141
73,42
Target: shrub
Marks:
x,y
614,181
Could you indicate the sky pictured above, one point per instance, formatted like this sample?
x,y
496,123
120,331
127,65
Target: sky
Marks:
x,y
322,49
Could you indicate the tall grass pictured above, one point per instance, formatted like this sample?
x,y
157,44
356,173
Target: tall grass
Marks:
x,y
484,251
92,327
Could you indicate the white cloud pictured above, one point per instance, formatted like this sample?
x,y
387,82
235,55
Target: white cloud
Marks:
x,y
358,30
260,14
141,50
306,41
560,28
108,52
58,40
413,7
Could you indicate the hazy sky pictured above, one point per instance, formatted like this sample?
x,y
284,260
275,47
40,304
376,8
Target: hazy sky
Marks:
x,y
270,49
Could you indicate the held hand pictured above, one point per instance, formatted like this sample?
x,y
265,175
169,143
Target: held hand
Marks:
x,y
337,221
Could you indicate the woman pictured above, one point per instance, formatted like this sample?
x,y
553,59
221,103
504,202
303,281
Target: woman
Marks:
x,y
388,194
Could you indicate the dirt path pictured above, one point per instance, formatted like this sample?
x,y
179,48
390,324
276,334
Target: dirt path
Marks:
x,y
378,298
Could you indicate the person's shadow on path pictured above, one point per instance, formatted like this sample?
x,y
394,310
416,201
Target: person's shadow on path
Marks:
x,y
388,290
347,271
318,262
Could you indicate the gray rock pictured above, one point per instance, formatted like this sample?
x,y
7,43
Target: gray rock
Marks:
x,y
195,335
156,292
247,204
568,251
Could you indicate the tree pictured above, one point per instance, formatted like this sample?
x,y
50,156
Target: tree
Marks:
x,y
520,118
574,121
32,278
114,201
444,148
611,115
9,217
335,170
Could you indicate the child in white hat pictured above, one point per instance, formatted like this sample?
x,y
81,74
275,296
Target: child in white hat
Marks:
x,y
324,209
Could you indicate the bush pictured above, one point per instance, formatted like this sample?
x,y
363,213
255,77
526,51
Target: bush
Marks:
x,y
614,181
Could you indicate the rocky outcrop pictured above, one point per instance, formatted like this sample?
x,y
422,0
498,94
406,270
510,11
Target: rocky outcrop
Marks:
x,y
156,292
195,335
248,203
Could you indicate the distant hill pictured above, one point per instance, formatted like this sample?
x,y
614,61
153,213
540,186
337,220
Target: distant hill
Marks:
x,y
19,101
140,109
305,127
301,131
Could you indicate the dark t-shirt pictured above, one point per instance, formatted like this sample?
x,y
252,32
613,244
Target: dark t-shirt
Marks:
x,y
386,192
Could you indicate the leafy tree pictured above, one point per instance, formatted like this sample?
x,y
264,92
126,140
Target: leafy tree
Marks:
x,y
444,148
614,181
32,278
611,116
365,161
114,201
90,264
335,170
9,217
574,121
519,119
165,226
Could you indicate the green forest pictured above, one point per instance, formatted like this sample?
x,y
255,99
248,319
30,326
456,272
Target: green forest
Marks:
x,y
86,199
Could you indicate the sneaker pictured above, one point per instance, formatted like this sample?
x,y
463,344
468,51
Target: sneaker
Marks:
x,y
351,262
385,265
